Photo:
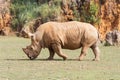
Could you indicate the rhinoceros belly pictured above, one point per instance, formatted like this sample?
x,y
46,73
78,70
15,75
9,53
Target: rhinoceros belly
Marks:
x,y
71,46
72,41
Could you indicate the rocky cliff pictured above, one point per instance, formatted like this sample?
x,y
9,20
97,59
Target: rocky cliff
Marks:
x,y
5,17
110,16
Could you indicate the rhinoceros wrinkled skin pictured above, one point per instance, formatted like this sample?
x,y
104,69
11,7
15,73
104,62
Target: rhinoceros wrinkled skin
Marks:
x,y
112,38
66,35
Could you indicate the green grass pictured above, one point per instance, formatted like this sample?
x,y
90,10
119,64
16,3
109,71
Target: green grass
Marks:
x,y
15,65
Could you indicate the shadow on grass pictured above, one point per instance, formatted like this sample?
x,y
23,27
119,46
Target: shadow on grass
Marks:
x,y
44,60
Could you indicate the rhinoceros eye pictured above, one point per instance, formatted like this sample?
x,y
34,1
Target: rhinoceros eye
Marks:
x,y
31,48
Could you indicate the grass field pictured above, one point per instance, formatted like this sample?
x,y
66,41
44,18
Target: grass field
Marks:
x,y
15,65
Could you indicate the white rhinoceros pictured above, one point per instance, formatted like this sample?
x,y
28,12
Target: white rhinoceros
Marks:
x,y
67,35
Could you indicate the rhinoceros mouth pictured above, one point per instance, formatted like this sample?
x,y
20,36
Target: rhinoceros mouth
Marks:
x,y
31,58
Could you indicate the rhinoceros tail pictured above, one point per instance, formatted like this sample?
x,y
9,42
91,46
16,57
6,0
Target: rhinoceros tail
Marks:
x,y
99,41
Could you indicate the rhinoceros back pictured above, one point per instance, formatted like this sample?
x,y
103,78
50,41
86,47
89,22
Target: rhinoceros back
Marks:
x,y
71,35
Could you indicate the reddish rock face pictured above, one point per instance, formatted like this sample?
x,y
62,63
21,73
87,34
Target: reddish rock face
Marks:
x,y
110,17
5,18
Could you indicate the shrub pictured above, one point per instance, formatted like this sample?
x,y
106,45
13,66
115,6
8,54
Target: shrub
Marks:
x,y
26,10
22,12
91,15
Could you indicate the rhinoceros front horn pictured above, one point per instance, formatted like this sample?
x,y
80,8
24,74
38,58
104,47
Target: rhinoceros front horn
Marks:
x,y
24,50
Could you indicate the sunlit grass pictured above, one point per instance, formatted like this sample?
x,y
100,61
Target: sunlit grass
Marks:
x,y
15,65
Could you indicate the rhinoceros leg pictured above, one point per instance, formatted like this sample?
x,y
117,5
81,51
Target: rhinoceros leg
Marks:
x,y
83,52
96,52
57,48
51,51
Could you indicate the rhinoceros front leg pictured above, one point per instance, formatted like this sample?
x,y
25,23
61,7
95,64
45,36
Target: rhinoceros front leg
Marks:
x,y
57,48
96,52
52,53
83,52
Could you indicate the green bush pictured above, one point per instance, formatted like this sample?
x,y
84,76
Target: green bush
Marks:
x,y
48,13
91,15
94,10
22,12
26,10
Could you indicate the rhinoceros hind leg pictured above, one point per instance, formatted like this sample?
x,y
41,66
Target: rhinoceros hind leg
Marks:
x,y
52,53
83,52
96,52
57,49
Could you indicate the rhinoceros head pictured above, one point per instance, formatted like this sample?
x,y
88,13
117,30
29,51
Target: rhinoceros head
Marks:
x,y
33,50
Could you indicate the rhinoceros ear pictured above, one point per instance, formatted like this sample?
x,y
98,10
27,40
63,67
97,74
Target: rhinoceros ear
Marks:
x,y
31,35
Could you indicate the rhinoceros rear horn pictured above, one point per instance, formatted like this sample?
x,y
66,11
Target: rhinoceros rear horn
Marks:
x,y
30,34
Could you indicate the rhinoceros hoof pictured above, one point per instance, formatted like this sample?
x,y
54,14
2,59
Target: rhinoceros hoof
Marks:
x,y
64,58
96,59
49,58
79,59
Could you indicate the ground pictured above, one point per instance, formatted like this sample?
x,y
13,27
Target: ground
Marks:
x,y
15,65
